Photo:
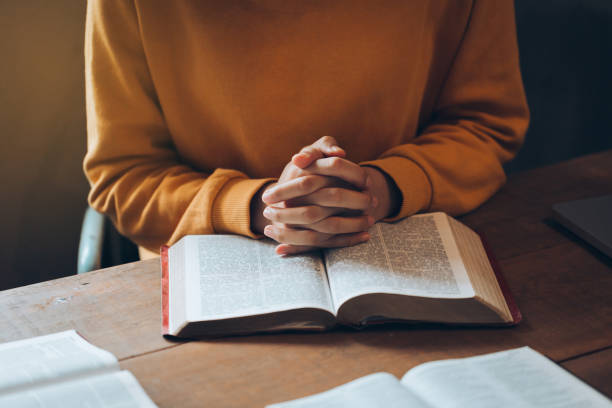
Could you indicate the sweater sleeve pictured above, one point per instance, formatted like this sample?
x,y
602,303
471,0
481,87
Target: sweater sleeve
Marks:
x,y
478,122
135,173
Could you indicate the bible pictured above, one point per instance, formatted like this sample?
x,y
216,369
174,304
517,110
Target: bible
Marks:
x,y
513,378
64,370
425,268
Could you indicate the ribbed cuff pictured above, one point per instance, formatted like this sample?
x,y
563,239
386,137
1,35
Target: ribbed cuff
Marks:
x,y
410,179
231,212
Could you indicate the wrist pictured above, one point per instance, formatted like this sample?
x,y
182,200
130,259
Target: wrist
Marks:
x,y
386,191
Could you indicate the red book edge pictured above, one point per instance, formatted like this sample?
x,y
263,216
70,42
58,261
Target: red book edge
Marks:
x,y
164,289
501,281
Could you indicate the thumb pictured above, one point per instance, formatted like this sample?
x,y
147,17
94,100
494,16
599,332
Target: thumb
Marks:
x,y
324,147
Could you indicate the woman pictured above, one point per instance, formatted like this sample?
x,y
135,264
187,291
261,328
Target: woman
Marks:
x,y
196,109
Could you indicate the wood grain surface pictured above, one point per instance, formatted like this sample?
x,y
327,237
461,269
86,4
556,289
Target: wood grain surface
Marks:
x,y
561,285
117,309
594,369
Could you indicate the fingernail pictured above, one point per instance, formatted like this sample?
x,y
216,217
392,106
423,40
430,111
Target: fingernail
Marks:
x,y
268,230
374,201
364,237
267,212
336,149
267,196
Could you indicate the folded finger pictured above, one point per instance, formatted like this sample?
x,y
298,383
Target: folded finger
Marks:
x,y
307,156
288,249
306,237
296,187
300,215
338,241
341,168
343,225
329,146
325,146
288,235
336,197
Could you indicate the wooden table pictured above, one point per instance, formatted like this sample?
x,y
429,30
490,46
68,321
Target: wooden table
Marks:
x,y
562,286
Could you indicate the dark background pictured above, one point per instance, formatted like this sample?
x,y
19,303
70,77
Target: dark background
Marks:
x,y
566,58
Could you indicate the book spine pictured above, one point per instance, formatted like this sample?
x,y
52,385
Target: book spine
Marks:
x,y
164,289
514,310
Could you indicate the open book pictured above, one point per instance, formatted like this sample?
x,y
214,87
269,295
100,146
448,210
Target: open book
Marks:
x,y
514,378
64,370
426,267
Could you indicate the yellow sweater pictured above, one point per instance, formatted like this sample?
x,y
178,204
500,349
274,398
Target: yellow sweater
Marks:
x,y
193,105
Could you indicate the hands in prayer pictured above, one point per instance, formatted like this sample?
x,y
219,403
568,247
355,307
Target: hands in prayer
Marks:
x,y
323,200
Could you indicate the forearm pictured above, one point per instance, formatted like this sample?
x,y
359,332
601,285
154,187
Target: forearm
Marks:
x,y
155,204
478,122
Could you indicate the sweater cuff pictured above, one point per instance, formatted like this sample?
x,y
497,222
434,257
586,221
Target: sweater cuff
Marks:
x,y
411,180
231,212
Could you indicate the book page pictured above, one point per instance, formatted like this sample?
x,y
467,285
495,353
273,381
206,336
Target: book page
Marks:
x,y
514,378
416,256
177,287
238,276
109,390
380,390
47,358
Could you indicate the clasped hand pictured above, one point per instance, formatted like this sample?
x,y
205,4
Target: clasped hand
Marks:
x,y
323,200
